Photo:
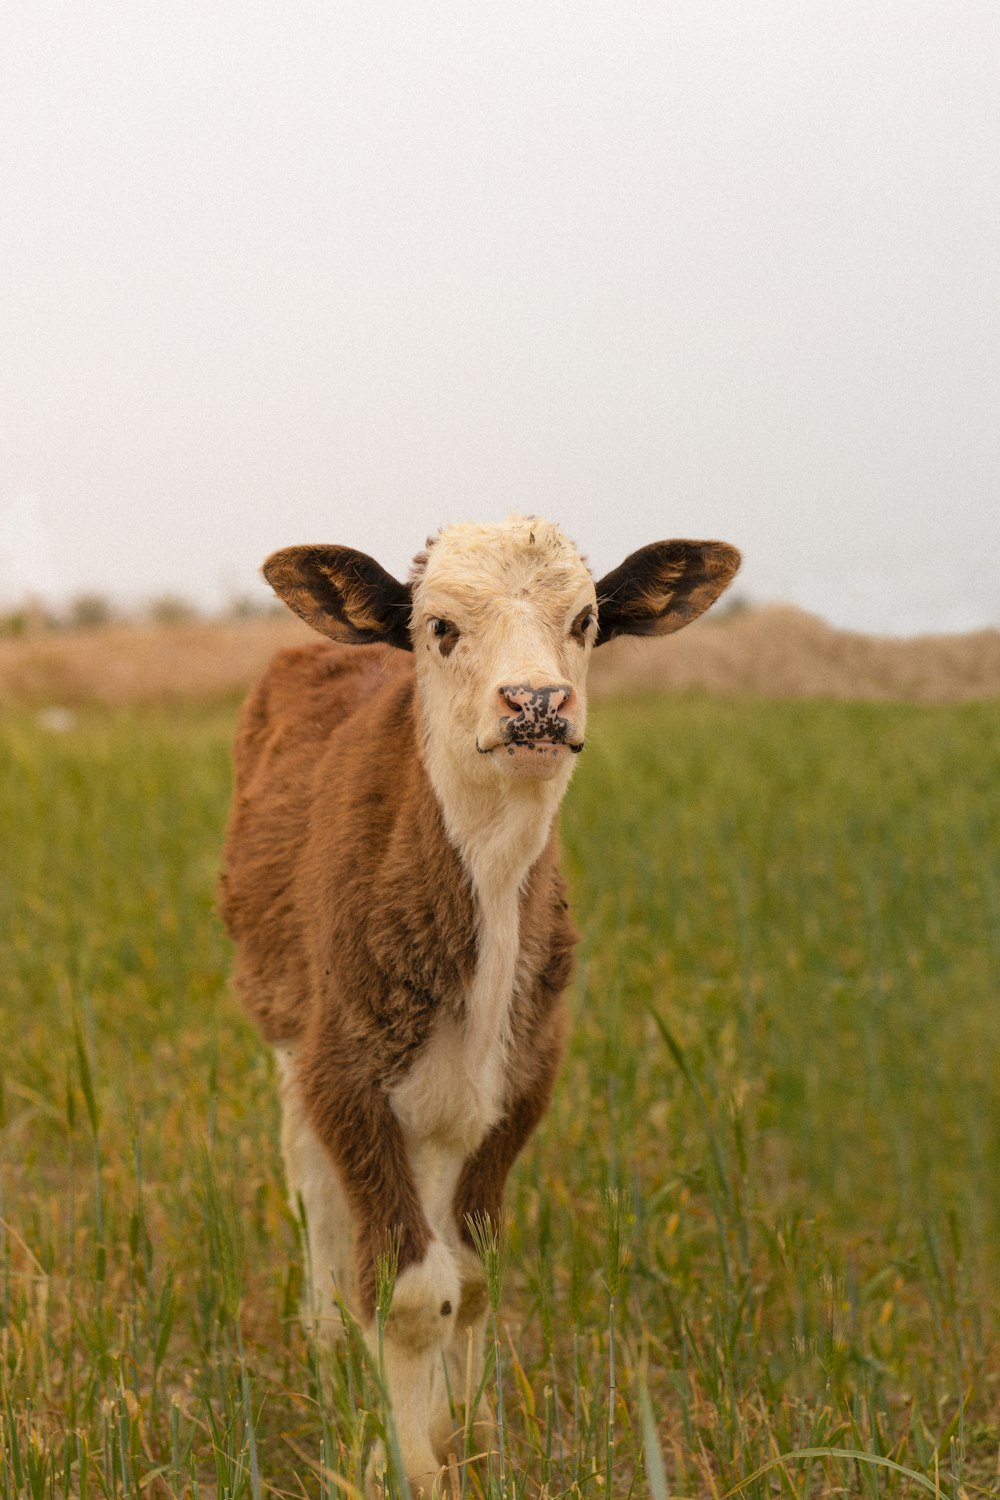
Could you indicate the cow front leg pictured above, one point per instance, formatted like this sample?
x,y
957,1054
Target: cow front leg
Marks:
x,y
351,1115
479,1199
464,1364
421,1317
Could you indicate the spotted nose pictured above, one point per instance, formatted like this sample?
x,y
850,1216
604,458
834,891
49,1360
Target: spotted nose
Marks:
x,y
534,702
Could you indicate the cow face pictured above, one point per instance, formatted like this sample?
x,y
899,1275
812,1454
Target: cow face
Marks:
x,y
502,620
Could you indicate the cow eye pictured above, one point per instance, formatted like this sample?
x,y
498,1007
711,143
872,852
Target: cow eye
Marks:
x,y
445,633
583,625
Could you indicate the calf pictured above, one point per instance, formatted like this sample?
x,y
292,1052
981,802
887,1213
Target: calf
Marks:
x,y
392,883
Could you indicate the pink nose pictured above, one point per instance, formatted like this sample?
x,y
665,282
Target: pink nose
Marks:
x,y
535,702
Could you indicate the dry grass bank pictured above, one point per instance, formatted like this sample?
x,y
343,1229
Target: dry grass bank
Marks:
x,y
782,652
774,652
198,660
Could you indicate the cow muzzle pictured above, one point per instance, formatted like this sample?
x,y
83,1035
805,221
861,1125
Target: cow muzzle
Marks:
x,y
536,727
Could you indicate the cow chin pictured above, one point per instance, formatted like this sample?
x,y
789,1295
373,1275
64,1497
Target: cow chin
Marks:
x,y
532,762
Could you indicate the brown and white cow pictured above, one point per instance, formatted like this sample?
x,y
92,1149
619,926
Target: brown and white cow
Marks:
x,y
392,883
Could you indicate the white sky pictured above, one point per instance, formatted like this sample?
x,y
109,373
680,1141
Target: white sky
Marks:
x,y
286,272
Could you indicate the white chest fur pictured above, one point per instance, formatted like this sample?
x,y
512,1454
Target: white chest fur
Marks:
x,y
455,1090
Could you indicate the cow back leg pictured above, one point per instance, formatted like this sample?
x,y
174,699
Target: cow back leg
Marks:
x,y
313,1182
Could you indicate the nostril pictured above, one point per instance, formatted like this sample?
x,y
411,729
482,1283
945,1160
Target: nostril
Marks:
x,y
519,697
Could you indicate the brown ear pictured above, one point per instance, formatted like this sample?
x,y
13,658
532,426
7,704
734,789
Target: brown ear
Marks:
x,y
663,587
343,594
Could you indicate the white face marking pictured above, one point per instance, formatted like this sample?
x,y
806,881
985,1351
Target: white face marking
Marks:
x,y
504,622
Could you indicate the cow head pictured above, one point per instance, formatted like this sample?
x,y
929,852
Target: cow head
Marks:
x,y
502,620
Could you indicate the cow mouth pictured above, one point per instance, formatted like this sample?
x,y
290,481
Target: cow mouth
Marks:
x,y
517,737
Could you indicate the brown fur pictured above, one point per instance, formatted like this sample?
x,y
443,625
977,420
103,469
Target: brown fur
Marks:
x,y
355,928
663,587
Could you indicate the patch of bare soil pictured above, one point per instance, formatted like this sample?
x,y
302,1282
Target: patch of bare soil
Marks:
x,y
775,652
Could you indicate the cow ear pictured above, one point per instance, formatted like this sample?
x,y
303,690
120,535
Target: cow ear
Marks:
x,y
663,587
343,594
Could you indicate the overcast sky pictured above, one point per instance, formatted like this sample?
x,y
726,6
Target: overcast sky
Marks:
x,y
291,272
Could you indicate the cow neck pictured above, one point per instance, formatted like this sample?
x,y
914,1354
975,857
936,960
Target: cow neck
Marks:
x,y
500,827
498,824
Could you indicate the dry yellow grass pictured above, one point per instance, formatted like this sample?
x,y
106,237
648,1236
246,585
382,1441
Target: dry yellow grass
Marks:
x,y
775,652
782,652
120,664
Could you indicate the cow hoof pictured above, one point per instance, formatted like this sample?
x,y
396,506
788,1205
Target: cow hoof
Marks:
x,y
425,1476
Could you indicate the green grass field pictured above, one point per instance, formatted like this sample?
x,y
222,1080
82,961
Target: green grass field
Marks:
x,y
755,1248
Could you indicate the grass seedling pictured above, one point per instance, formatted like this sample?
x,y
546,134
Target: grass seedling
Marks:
x,y
577,1288
656,1473
248,1416
492,1242
617,1211
545,1298
90,1099
386,1271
